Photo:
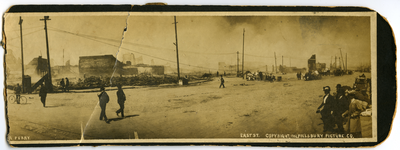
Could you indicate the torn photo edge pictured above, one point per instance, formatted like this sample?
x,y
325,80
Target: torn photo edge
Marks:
x,y
384,57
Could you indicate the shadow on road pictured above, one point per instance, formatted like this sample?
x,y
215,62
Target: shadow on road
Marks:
x,y
25,104
51,106
118,119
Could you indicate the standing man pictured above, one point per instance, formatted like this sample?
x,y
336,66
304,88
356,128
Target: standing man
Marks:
x,y
17,93
62,84
103,100
341,106
327,110
121,101
67,84
222,82
43,94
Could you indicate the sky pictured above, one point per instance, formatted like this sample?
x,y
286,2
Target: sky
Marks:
x,y
203,41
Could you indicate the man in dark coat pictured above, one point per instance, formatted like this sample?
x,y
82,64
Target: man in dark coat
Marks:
x,y
103,100
341,105
121,100
17,93
66,84
327,110
62,84
222,82
43,94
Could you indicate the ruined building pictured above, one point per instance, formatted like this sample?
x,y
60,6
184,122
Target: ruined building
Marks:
x,y
102,65
38,66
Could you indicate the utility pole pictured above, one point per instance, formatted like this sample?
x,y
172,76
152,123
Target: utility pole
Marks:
x,y
342,57
335,63
282,60
243,54
331,63
276,68
63,58
237,65
176,44
22,55
49,85
346,61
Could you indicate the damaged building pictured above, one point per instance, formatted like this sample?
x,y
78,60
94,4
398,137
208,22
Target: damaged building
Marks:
x,y
313,65
37,66
142,69
108,65
102,65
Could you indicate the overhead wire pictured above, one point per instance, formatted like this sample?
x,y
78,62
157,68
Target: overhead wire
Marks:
x,y
76,34
25,34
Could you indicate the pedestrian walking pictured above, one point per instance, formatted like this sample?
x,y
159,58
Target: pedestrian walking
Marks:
x,y
222,82
62,84
43,94
121,101
103,100
66,84
17,93
327,110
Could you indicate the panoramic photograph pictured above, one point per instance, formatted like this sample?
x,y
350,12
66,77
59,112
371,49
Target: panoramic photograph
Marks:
x,y
85,77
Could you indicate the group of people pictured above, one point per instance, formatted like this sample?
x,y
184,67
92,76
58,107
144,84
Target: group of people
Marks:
x,y
64,85
298,75
104,99
343,107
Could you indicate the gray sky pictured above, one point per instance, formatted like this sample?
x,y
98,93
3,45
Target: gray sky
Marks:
x,y
203,40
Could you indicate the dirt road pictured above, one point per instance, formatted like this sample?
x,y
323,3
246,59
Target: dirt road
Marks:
x,y
196,111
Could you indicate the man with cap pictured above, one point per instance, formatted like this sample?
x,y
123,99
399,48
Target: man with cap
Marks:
x,y
222,82
340,106
43,94
17,93
103,100
66,84
62,84
121,100
327,110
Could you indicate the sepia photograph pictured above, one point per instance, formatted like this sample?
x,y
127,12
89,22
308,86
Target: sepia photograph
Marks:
x,y
127,77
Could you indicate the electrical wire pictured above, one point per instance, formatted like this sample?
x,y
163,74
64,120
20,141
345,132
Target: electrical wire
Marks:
x,y
76,34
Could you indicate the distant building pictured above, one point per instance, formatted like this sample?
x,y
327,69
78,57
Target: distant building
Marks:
x,y
103,65
321,66
312,63
37,66
142,69
129,59
139,60
230,69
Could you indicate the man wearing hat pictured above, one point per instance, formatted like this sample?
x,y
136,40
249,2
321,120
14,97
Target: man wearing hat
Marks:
x,y
103,100
121,100
327,110
340,106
